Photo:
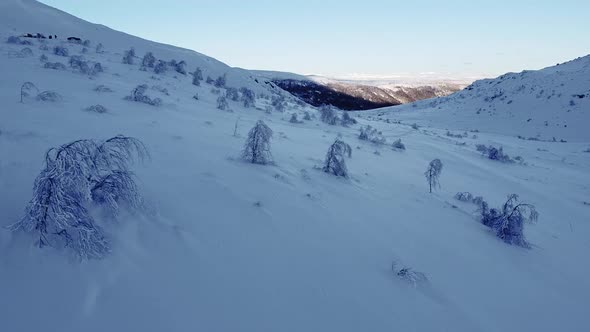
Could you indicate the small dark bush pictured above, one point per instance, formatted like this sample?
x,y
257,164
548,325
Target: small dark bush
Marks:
x,y
138,95
61,51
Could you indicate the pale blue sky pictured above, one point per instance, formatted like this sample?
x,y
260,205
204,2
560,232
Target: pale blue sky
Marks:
x,y
378,37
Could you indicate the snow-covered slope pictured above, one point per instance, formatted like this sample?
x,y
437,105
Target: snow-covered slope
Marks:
x,y
543,104
230,246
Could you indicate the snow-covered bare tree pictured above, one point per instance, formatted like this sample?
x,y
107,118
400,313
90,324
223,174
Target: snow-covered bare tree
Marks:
x,y
347,120
197,76
148,61
335,162
232,94
76,177
61,51
368,133
433,173
138,95
398,145
278,102
26,89
180,67
257,147
329,115
129,56
508,221
161,67
248,97
294,119
221,81
222,103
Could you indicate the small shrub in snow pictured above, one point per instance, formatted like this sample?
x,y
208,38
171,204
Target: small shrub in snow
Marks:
x,y
161,67
43,58
14,40
372,135
44,47
86,43
432,173
61,51
209,80
294,119
478,200
306,116
129,56
26,89
220,81
50,96
197,76
335,162
347,120
587,150
278,102
508,221
180,67
196,96
464,196
161,89
96,109
138,95
398,145
222,103
54,65
248,97
102,88
25,53
408,275
257,147
78,63
99,48
232,94
148,61
76,177
494,153
449,134
84,50
415,126
328,115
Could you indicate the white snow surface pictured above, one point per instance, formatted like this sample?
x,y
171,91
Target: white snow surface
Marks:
x,y
231,246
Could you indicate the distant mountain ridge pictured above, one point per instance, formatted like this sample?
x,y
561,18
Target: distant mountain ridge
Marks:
x,y
358,95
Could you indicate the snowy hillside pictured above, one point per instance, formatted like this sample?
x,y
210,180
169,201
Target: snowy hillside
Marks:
x,y
550,103
221,244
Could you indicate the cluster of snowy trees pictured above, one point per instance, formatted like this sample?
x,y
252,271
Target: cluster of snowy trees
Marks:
x,y
77,177
80,64
368,133
29,88
507,222
329,114
257,151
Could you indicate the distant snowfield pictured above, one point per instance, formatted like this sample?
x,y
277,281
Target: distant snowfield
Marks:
x,y
231,246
